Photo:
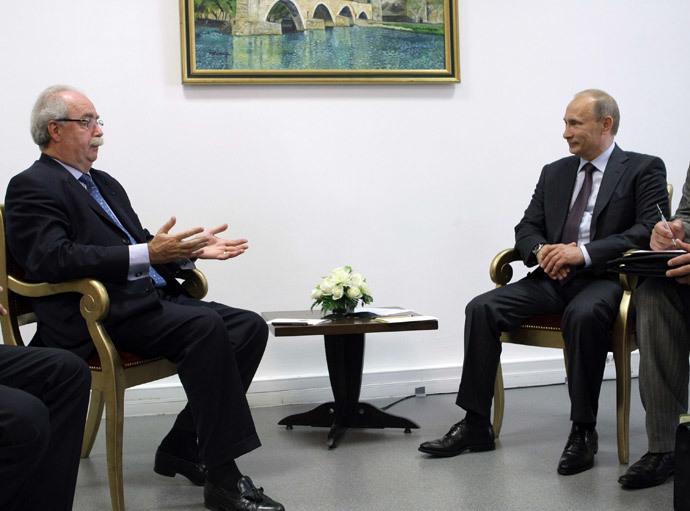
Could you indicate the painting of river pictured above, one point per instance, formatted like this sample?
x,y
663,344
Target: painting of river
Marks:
x,y
319,41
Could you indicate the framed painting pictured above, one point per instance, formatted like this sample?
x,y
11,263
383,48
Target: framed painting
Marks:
x,y
319,41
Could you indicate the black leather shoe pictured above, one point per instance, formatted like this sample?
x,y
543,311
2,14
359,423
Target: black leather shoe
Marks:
x,y
651,470
461,437
249,498
168,465
579,451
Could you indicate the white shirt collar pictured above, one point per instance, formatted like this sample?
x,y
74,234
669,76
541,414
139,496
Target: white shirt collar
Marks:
x,y
600,161
76,173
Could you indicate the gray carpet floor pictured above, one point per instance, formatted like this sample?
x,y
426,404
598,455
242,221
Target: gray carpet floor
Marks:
x,y
382,469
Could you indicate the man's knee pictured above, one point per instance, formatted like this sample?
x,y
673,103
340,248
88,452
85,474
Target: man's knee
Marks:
x,y
260,327
599,313
25,426
70,367
480,303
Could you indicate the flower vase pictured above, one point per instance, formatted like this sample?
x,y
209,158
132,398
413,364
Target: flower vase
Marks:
x,y
341,312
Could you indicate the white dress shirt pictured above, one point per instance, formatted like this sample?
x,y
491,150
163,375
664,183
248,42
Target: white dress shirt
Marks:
x,y
599,163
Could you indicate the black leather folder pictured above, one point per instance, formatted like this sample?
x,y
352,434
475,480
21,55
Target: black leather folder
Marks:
x,y
644,262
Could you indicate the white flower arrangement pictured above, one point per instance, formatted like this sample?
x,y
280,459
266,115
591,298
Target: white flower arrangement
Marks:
x,y
341,290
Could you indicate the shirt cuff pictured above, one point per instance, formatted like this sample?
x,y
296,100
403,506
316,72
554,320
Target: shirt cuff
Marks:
x,y
139,263
588,260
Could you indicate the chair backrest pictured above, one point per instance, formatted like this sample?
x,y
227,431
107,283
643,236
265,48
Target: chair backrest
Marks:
x,y
19,308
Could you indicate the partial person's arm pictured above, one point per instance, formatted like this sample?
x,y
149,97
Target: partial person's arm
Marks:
x,y
683,212
530,231
556,258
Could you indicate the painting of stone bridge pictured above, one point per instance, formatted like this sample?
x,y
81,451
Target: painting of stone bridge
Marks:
x,y
405,39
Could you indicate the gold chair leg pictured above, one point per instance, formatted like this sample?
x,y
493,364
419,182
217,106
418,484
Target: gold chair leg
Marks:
x,y
621,347
499,401
93,421
114,420
622,361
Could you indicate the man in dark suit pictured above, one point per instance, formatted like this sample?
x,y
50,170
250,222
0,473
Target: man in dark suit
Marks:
x,y
44,395
66,220
586,209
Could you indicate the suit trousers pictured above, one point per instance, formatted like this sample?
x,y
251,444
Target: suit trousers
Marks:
x,y
217,350
663,336
44,395
589,305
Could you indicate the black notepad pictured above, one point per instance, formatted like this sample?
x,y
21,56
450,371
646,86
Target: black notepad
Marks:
x,y
646,263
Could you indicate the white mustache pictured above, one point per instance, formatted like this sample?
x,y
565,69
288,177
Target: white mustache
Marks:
x,y
97,141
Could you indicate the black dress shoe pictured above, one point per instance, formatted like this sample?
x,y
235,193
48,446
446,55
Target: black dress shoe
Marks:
x,y
461,437
167,464
651,470
579,451
249,498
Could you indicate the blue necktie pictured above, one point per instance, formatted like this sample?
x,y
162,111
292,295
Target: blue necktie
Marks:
x,y
96,194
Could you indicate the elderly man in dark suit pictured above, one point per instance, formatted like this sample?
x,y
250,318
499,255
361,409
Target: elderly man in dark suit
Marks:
x,y
586,209
67,220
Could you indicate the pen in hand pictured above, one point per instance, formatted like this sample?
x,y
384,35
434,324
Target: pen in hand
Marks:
x,y
663,220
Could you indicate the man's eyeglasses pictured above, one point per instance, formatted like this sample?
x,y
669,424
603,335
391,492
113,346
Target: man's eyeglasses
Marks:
x,y
88,124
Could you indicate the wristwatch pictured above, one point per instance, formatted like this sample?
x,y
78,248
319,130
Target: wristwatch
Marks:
x,y
537,248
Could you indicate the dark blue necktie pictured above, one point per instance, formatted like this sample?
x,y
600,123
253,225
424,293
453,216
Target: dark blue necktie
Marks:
x,y
96,194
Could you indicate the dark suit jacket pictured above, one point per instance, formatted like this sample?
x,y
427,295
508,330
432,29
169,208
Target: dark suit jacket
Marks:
x,y
624,213
56,232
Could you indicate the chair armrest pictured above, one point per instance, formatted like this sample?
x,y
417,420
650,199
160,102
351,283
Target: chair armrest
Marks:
x,y
195,283
500,270
94,304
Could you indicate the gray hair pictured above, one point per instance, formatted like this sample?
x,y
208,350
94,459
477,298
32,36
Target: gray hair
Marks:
x,y
604,106
49,105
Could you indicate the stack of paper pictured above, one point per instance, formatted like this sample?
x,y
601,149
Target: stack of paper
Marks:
x,y
296,322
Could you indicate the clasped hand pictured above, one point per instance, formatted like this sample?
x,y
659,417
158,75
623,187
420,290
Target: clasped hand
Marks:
x,y
557,259
194,242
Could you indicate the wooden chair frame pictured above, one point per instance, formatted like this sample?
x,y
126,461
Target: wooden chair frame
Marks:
x,y
112,371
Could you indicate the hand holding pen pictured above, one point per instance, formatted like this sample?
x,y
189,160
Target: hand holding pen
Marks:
x,y
664,234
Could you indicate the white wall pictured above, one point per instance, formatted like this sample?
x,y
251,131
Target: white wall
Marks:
x,y
417,187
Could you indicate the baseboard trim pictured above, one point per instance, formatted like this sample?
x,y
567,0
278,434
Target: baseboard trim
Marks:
x,y
168,397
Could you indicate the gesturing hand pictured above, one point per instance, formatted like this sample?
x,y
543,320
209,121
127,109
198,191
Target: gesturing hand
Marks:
x,y
219,248
166,248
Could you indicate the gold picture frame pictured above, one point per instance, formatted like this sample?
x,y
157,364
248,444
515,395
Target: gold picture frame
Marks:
x,y
319,41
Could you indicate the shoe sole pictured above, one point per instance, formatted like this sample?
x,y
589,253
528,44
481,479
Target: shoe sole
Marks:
x,y
450,454
573,471
174,468
638,486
